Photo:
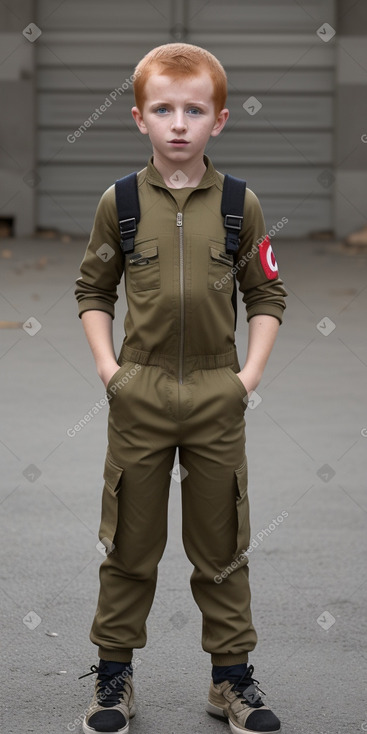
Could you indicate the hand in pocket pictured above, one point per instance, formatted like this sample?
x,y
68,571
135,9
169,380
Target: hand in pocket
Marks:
x,y
107,374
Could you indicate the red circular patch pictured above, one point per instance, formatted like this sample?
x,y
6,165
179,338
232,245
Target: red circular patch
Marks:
x,y
267,259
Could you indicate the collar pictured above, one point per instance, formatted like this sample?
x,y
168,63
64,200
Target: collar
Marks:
x,y
154,177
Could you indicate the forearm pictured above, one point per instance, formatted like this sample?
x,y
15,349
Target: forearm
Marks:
x,y
262,333
98,330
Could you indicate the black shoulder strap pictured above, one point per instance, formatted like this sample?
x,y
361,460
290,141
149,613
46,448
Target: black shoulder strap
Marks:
x,y
233,199
128,210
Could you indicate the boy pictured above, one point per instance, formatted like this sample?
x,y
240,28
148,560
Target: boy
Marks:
x,y
177,383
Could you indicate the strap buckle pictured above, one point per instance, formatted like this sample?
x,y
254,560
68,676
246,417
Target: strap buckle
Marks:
x,y
124,223
233,222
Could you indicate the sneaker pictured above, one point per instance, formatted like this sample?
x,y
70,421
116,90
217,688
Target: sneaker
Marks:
x,y
113,702
239,702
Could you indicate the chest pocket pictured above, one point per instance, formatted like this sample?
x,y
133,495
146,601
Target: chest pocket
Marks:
x,y
144,269
220,278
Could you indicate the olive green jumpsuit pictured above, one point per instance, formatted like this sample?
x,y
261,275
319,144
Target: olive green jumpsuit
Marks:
x,y
176,387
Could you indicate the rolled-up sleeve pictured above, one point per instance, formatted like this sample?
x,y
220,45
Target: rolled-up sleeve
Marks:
x,y
257,272
103,263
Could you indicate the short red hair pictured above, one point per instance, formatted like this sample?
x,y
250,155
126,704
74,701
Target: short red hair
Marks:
x,y
179,60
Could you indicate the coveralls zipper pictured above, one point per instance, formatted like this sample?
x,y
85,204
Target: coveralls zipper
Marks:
x,y
182,313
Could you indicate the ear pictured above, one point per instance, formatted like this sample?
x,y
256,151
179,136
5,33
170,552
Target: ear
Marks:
x,y
139,120
220,122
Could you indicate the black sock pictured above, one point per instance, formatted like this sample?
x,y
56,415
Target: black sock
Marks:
x,y
110,667
228,672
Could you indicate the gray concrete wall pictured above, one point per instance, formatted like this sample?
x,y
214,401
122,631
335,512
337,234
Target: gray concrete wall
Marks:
x,y
351,118
18,179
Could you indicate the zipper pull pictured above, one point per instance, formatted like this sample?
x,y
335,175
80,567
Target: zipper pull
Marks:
x,y
179,219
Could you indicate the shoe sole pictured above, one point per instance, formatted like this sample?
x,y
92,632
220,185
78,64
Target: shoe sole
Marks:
x,y
88,730
218,713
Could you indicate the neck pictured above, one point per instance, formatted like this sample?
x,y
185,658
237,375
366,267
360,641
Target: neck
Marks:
x,y
171,172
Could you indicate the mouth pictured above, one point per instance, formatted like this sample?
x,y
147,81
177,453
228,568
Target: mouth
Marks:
x,y
178,141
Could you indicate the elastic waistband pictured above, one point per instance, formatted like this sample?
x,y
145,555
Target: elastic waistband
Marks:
x,y
170,363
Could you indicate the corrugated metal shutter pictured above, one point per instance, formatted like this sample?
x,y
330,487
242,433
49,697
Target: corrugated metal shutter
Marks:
x,y
270,50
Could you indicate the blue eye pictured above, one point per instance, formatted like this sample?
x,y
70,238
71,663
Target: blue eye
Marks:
x,y
194,110
161,109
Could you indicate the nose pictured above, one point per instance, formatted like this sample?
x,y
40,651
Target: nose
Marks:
x,y
179,122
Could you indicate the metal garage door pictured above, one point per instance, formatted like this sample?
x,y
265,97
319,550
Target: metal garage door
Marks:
x,y
271,51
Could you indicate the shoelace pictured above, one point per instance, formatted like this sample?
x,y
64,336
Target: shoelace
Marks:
x,y
248,690
93,669
107,695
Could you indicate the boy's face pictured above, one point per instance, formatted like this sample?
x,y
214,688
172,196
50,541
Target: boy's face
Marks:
x,y
179,117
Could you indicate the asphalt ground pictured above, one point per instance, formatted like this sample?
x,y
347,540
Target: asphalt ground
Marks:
x,y
306,446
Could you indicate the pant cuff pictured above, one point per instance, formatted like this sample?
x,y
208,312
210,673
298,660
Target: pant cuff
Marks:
x,y
116,656
229,659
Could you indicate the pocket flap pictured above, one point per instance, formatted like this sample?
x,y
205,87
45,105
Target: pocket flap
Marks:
x,y
112,475
241,475
243,514
109,516
150,252
220,256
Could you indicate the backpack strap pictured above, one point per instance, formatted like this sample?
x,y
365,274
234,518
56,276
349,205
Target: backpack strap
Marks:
x,y
128,210
233,199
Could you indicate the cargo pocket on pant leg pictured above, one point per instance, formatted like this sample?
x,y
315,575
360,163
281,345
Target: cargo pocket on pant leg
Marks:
x,y
243,510
113,478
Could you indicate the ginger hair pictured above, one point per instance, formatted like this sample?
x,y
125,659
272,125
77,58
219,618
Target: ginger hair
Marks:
x,y
180,60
